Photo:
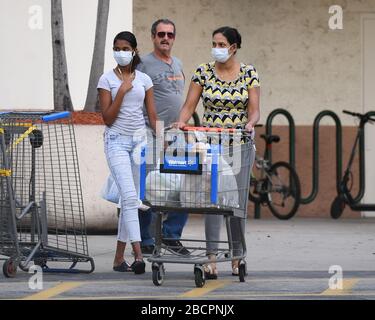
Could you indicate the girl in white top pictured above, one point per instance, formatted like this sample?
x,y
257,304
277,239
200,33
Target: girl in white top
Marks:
x,y
122,93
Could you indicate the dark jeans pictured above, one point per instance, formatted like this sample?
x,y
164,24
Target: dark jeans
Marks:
x,y
172,226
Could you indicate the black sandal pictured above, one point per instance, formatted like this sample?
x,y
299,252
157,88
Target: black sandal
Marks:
x,y
138,266
123,267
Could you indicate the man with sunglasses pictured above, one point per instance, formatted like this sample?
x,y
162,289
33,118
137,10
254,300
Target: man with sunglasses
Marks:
x,y
168,79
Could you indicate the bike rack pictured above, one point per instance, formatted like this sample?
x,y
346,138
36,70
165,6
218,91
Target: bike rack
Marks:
x,y
292,132
315,165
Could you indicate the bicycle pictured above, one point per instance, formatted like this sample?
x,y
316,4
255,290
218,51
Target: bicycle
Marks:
x,y
344,196
275,185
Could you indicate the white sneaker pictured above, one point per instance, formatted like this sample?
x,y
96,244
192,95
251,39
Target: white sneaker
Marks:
x,y
141,206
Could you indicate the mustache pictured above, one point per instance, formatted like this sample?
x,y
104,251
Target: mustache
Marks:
x,y
164,42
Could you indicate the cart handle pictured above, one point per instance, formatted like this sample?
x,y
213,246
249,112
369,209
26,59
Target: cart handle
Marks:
x,y
213,129
56,116
46,116
210,129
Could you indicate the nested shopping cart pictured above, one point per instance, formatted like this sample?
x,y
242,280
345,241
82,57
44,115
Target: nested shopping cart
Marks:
x,y
41,205
204,171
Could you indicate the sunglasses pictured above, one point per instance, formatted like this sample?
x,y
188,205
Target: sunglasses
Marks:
x,y
162,34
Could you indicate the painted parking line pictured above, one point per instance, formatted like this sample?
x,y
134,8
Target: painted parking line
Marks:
x,y
347,286
281,295
259,295
130,297
205,292
54,291
209,286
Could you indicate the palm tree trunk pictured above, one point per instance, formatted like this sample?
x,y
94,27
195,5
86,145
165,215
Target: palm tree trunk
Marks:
x,y
97,64
61,94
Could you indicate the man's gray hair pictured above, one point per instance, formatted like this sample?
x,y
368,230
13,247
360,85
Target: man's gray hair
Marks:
x,y
165,21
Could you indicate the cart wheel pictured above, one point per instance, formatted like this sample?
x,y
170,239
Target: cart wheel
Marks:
x,y
337,207
199,277
36,138
158,273
9,268
242,271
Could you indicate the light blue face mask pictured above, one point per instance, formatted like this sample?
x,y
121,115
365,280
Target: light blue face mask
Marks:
x,y
123,58
220,54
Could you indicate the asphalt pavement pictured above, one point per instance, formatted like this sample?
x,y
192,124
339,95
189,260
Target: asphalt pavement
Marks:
x,y
295,259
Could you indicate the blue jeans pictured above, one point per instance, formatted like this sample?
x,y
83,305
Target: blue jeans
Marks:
x,y
123,157
175,222
172,226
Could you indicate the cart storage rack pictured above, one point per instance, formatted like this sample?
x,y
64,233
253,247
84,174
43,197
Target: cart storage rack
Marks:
x,y
203,171
41,206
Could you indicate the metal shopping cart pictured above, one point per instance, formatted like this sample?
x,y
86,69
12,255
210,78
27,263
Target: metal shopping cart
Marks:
x,y
41,206
204,171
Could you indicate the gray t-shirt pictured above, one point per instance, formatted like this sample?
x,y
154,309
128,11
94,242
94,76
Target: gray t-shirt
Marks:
x,y
168,88
130,118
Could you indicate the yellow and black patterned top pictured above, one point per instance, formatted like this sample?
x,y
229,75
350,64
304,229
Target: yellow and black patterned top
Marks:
x,y
225,103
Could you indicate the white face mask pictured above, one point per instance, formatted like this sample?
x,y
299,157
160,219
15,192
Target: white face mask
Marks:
x,y
123,58
220,54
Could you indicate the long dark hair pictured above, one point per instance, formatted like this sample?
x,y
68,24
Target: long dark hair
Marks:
x,y
231,34
129,37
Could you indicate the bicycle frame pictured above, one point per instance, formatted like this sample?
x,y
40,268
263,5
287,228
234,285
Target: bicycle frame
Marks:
x,y
343,186
263,164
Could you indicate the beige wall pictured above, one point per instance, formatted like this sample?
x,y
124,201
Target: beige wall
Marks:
x,y
100,214
304,66
26,49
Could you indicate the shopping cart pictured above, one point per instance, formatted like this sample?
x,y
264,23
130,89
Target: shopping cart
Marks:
x,y
203,171
41,206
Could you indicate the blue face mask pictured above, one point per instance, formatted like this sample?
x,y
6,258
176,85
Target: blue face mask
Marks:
x,y
123,58
220,54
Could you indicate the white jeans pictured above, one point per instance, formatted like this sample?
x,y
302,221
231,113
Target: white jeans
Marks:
x,y
123,157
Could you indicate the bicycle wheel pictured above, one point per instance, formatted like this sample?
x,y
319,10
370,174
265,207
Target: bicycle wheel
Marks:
x,y
284,190
338,206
